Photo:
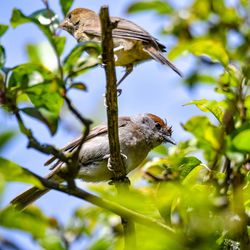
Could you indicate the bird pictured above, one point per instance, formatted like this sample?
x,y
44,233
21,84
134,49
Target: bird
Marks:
x,y
138,134
132,43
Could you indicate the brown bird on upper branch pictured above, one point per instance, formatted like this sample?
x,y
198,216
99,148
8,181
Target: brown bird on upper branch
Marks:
x,y
132,44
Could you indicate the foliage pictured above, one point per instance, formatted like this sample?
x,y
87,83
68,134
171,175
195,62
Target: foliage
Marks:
x,y
205,199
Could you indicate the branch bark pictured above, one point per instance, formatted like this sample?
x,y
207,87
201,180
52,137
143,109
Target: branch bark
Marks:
x,y
116,162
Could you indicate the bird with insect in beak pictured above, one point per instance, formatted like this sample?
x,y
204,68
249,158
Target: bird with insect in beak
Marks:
x,y
132,44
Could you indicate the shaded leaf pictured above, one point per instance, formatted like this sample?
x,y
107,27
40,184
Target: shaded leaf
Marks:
x,y
2,56
50,121
161,7
3,29
72,63
5,137
66,5
78,85
211,106
14,172
31,221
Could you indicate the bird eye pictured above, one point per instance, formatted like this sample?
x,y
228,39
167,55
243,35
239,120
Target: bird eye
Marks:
x,y
158,125
69,16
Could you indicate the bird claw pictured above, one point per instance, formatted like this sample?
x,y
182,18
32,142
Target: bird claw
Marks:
x,y
109,166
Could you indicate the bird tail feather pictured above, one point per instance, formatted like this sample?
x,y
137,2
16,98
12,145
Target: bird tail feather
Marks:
x,y
28,197
159,57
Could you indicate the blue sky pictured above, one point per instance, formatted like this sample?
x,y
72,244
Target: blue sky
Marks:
x,y
150,88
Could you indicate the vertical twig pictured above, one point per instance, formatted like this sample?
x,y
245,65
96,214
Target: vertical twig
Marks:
x,y
116,161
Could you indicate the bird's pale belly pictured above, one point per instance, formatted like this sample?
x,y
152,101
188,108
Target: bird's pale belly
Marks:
x,y
129,52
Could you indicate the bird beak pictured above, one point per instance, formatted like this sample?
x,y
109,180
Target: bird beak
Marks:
x,y
170,140
66,25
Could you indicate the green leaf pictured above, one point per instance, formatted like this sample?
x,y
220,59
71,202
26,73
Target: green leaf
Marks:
x,y
188,164
161,7
47,118
73,63
162,150
207,135
33,52
24,75
52,241
47,96
46,20
3,29
59,44
193,176
66,5
2,56
210,106
202,47
78,85
31,221
5,137
195,78
14,172
241,140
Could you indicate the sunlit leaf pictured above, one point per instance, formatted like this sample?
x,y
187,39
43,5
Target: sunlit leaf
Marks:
x,y
202,47
26,74
59,43
162,150
46,20
194,176
66,5
14,172
241,140
47,96
52,241
210,106
161,7
188,164
207,135
31,221
3,29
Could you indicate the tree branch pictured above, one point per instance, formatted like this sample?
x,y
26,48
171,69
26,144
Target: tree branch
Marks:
x,y
104,203
111,95
116,162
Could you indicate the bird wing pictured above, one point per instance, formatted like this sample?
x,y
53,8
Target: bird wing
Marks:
x,y
129,30
98,130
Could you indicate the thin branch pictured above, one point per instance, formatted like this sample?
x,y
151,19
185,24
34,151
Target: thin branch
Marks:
x,y
33,143
106,204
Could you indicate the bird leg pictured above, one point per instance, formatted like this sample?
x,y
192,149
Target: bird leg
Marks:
x,y
109,166
128,70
